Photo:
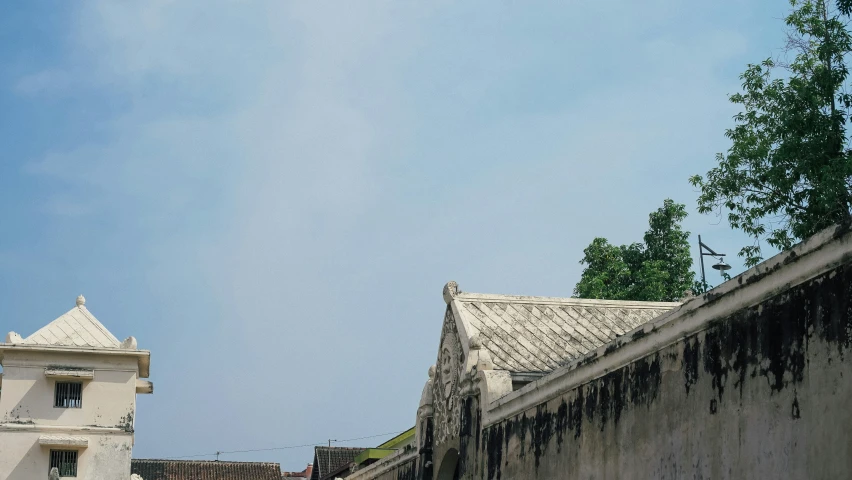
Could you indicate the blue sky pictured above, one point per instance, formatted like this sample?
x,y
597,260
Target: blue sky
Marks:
x,y
271,195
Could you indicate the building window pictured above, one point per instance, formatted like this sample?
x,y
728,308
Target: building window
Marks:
x,y
65,461
68,395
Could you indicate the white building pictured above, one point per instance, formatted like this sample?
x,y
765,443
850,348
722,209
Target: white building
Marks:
x,y
68,400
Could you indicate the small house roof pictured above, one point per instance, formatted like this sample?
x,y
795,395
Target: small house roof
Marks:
x,y
78,331
75,328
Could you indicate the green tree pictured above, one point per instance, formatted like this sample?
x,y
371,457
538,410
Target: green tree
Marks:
x,y
657,270
787,173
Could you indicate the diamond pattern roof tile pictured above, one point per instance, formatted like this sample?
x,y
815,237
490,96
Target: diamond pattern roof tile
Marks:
x,y
328,460
75,328
539,334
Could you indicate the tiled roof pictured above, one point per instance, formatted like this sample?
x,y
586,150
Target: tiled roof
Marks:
x,y
204,470
538,334
76,328
328,460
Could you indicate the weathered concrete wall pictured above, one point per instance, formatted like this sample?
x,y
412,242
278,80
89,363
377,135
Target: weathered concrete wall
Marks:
x,y
107,456
400,466
109,399
762,393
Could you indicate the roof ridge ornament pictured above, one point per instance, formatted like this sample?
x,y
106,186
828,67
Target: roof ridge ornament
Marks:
x,y
81,301
451,290
14,338
129,343
475,343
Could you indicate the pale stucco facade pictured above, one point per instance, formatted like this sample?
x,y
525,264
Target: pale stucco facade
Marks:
x,y
73,349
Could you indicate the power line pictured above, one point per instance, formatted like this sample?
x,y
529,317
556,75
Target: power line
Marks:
x,y
316,444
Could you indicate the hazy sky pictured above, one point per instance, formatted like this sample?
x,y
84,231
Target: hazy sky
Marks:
x,y
271,195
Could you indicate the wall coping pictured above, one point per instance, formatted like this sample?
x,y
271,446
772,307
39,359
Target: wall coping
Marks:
x,y
390,462
815,256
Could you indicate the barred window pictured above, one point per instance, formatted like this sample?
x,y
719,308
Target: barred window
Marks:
x,y
65,461
68,395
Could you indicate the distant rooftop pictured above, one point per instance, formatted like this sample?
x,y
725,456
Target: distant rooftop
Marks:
x,y
330,460
150,469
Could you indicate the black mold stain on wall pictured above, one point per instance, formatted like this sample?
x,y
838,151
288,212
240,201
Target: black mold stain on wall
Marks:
x,y
407,472
561,424
425,466
494,451
691,356
468,425
768,342
542,429
604,399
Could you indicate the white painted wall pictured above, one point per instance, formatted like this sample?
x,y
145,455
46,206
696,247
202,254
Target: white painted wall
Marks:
x,y
105,419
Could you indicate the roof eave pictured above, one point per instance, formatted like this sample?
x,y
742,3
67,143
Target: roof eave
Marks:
x,y
143,356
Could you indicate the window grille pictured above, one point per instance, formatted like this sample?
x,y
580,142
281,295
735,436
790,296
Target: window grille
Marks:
x,y
68,395
65,461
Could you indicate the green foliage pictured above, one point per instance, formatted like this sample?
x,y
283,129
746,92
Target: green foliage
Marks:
x,y
787,173
657,270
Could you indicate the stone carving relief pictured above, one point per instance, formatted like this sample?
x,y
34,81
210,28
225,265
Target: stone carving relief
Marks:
x,y
446,383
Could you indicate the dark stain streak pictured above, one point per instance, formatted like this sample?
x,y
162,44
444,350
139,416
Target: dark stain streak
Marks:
x,y
575,414
605,400
611,347
465,428
561,423
691,351
542,429
591,400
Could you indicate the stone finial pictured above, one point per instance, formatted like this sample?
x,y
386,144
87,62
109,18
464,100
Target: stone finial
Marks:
x,y
687,295
129,343
451,289
135,477
431,372
81,300
13,338
54,474
475,343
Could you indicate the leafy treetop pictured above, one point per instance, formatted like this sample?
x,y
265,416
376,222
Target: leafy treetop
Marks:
x,y
657,270
787,173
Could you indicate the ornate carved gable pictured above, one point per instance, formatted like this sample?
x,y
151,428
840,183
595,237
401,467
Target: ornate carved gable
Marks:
x,y
446,398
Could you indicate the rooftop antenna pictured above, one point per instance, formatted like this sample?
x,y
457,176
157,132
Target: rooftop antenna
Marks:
x,y
329,442
217,456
